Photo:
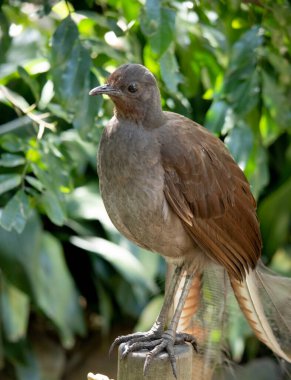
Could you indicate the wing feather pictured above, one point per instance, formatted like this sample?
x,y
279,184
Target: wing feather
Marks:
x,y
210,194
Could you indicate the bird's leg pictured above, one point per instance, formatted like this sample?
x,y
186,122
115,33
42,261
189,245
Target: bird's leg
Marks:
x,y
140,340
169,338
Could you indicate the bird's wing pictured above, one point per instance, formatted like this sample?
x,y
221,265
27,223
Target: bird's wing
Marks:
x,y
210,194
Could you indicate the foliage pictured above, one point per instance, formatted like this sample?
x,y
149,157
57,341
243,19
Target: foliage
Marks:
x,y
225,64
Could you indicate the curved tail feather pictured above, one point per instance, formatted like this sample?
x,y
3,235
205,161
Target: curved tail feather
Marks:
x,y
265,300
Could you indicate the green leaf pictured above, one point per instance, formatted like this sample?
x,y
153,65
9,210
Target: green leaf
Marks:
x,y
19,254
30,81
55,292
274,214
170,70
14,311
149,314
63,40
15,213
129,267
216,115
11,160
11,143
35,183
158,23
72,79
257,170
54,208
33,262
241,86
240,142
9,182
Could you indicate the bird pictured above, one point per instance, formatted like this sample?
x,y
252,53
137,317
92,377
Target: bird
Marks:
x,y
172,187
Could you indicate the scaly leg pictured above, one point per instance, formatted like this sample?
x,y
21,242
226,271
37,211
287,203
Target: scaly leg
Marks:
x,y
156,339
170,337
157,329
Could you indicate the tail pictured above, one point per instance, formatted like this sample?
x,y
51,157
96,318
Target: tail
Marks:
x,y
205,316
265,300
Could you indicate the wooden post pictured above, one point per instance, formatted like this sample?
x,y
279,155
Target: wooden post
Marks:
x,y
131,368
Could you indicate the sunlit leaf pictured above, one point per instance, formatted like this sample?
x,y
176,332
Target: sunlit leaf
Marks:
x,y
129,267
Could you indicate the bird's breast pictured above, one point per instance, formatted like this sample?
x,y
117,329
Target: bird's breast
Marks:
x,y
131,181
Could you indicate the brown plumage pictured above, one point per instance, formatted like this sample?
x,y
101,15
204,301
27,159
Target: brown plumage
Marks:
x,y
172,187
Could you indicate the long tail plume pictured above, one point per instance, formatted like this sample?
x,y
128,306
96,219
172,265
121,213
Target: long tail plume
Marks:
x,y
265,299
205,316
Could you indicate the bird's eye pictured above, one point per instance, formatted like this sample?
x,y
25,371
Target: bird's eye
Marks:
x,y
132,88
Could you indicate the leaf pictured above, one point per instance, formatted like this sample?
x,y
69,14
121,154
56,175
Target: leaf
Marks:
x,y
158,23
11,143
33,262
240,142
55,292
54,208
149,314
72,79
14,215
257,170
241,86
63,40
170,70
9,182
14,311
24,361
129,267
216,115
85,203
19,254
274,214
30,81
35,183
11,160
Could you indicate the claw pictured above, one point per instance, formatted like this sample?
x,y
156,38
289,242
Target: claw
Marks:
x,y
124,339
156,342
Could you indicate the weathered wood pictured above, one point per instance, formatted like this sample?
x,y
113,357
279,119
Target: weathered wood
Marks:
x,y
131,368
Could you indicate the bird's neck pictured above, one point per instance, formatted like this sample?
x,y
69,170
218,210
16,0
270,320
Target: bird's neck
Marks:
x,y
149,115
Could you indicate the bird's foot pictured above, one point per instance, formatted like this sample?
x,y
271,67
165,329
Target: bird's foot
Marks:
x,y
155,341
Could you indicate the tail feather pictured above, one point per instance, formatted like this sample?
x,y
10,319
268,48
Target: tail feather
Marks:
x,y
265,300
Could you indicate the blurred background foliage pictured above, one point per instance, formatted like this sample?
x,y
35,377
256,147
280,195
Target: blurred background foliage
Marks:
x,y
66,274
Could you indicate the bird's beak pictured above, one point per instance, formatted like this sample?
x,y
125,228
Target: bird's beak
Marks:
x,y
106,89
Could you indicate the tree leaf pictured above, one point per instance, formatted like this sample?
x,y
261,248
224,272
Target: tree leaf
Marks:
x,y
9,182
19,254
158,23
129,267
35,183
30,81
170,70
33,262
11,160
59,302
54,208
14,311
14,215
274,214
240,142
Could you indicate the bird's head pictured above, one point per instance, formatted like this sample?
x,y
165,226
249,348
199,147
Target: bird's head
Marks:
x,y
134,91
